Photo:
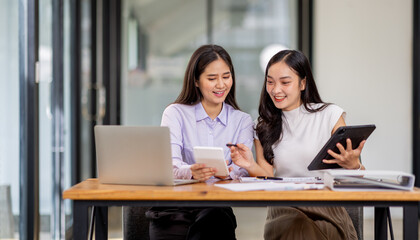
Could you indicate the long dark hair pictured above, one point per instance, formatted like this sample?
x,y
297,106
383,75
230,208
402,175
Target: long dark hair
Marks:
x,y
203,56
270,123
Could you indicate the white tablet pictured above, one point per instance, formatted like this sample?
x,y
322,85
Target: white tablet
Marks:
x,y
213,157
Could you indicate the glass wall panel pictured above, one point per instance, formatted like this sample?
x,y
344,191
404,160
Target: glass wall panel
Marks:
x,y
67,166
252,32
9,119
45,117
86,78
160,36
158,40
50,228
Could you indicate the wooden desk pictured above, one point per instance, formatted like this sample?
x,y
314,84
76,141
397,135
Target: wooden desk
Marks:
x,y
91,193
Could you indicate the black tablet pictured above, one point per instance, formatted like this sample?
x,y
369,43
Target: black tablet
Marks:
x,y
356,133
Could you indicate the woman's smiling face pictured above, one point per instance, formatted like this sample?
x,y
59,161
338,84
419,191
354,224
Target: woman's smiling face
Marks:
x,y
215,83
284,86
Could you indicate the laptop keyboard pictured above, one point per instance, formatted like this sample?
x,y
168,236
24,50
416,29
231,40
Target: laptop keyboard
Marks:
x,y
184,181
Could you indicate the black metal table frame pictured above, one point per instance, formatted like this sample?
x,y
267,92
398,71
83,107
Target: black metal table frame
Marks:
x,y
81,212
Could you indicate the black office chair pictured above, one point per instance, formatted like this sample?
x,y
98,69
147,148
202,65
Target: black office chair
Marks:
x,y
135,224
356,215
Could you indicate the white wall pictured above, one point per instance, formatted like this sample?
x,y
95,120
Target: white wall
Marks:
x,y
362,62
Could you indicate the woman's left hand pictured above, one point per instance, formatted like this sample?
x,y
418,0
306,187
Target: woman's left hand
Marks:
x,y
348,158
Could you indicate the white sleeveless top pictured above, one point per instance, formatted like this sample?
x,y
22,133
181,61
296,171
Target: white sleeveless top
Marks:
x,y
304,134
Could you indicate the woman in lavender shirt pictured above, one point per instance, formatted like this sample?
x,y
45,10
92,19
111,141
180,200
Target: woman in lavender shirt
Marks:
x,y
204,114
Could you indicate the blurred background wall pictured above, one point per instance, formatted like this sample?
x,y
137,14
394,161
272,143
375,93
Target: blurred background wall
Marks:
x,y
363,62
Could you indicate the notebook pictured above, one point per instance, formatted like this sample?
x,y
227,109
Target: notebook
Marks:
x,y
135,155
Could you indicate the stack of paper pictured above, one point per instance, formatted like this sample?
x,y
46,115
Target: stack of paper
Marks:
x,y
282,179
269,186
368,180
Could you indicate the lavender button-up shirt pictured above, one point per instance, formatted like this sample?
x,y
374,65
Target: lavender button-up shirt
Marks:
x,y
190,126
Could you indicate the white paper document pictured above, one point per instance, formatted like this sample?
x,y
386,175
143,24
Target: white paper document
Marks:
x,y
269,186
282,180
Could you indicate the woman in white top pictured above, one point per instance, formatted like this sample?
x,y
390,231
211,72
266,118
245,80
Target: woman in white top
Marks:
x,y
293,125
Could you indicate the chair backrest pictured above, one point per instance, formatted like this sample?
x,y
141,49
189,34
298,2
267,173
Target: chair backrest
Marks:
x,y
356,215
135,224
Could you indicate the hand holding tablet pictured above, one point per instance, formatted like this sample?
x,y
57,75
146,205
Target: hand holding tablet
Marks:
x,y
355,133
212,157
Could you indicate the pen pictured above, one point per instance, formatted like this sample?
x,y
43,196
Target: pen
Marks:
x,y
269,178
231,145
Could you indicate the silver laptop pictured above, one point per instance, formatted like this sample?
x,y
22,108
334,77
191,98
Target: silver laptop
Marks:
x,y
135,155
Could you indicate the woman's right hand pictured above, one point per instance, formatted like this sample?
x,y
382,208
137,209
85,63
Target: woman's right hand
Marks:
x,y
242,156
202,173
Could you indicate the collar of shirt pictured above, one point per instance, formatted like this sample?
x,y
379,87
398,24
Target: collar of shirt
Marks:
x,y
201,114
